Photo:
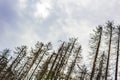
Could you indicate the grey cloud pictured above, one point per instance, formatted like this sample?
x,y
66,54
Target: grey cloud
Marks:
x,y
64,15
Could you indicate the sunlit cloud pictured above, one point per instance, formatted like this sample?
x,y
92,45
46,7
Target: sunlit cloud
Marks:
x,y
42,10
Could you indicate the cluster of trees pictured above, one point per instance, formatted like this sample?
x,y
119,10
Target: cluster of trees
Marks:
x,y
65,63
104,45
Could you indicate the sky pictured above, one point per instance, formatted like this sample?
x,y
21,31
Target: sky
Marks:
x,y
23,22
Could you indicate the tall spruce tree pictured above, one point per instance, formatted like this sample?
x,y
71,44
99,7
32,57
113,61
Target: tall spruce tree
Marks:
x,y
96,42
117,56
108,33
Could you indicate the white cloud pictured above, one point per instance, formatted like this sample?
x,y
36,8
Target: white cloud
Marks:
x,y
42,9
29,37
61,18
84,3
22,4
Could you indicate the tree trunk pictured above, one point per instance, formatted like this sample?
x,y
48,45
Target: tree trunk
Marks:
x,y
110,39
37,65
73,64
116,70
96,55
100,68
50,71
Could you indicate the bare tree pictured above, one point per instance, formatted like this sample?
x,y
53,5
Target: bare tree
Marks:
x,y
44,69
97,41
118,43
45,50
101,67
73,63
109,31
4,59
36,52
54,61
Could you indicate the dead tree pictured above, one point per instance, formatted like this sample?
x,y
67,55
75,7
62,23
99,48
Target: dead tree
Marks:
x,y
21,51
54,61
72,42
44,69
101,67
77,53
83,72
35,56
45,50
118,43
97,40
3,59
109,32
60,63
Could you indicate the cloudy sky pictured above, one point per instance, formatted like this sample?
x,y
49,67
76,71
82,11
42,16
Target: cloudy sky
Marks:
x,y
28,21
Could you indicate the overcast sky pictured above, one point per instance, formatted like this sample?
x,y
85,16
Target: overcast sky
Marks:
x,y
28,21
